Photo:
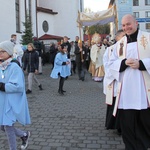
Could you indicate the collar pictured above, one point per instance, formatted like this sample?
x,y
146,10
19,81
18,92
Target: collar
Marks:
x,y
133,37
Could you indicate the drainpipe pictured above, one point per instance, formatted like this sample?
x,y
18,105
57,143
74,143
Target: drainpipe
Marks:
x,y
25,9
36,19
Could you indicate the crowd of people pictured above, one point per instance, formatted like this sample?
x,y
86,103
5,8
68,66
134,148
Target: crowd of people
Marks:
x,y
123,66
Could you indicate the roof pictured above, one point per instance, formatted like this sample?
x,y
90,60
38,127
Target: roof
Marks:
x,y
50,37
46,10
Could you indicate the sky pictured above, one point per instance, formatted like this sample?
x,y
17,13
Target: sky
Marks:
x,y
96,5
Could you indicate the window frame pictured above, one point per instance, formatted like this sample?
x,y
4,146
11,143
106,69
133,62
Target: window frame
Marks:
x,y
147,26
17,8
146,14
134,14
147,2
135,2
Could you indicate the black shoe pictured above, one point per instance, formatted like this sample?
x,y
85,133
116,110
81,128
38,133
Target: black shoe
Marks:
x,y
61,93
28,91
40,87
119,131
25,140
81,78
40,73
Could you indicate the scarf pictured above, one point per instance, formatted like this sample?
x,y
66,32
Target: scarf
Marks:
x,y
4,64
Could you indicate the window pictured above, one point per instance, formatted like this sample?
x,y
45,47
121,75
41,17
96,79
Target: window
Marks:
x,y
136,14
147,14
147,25
17,16
147,2
135,2
45,26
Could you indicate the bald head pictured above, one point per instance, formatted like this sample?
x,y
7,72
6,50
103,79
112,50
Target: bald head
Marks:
x,y
129,24
129,16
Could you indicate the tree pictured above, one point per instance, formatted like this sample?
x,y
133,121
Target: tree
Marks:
x,y
101,29
27,37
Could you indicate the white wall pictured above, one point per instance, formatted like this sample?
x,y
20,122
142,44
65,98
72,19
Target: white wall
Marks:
x,y
8,21
50,19
64,23
65,20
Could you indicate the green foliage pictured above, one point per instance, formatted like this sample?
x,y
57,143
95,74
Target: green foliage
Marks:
x,y
27,37
101,29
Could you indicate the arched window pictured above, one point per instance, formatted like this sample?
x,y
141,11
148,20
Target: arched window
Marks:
x,y
45,26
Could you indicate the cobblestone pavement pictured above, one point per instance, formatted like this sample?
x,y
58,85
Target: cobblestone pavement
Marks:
x,y
74,121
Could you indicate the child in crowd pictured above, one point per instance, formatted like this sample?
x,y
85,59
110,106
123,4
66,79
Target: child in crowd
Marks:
x,y
31,62
61,67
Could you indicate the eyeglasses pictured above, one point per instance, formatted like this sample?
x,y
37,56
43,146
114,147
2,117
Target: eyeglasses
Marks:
x,y
2,52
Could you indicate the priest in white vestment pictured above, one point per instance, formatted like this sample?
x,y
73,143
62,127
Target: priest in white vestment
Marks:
x,y
96,54
110,88
130,66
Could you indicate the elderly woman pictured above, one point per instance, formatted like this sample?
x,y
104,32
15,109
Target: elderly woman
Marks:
x,y
13,100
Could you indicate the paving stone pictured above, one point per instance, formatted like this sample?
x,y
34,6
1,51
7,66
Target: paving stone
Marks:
x,y
75,121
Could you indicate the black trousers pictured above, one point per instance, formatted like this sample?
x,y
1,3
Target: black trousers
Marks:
x,y
61,84
79,68
135,127
73,66
112,122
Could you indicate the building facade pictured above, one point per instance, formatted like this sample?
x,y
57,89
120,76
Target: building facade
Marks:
x,y
140,9
54,17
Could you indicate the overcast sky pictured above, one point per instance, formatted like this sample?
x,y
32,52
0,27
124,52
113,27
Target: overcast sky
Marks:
x,y
96,5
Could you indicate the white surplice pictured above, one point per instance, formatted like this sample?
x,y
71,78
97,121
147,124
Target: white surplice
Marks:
x,y
108,78
133,93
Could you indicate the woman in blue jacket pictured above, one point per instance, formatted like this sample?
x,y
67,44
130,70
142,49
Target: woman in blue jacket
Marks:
x,y
61,67
13,100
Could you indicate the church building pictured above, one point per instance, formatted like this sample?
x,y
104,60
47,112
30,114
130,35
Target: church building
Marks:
x,y
50,18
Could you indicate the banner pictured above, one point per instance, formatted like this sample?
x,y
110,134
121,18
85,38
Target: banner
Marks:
x,y
101,17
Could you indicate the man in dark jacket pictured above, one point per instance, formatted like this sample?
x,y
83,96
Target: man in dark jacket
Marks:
x,y
68,45
81,55
53,53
